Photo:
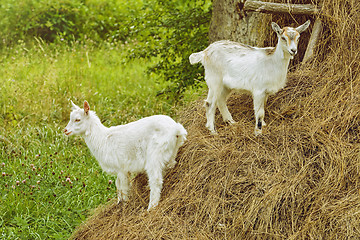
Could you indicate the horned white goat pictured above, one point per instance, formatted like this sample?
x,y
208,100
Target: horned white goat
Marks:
x,y
148,145
259,71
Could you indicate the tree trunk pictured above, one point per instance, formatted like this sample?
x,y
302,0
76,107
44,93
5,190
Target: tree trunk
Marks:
x,y
230,22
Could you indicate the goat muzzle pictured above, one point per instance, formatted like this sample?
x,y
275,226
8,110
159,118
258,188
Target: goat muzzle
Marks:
x,y
66,132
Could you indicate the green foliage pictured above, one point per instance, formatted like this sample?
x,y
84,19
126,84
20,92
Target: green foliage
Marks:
x,y
65,20
171,31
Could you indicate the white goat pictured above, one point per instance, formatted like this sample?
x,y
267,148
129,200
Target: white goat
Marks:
x,y
148,145
258,71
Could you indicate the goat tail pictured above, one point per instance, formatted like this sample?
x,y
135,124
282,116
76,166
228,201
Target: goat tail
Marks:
x,y
196,57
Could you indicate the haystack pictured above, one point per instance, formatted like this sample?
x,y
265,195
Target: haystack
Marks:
x,y
299,180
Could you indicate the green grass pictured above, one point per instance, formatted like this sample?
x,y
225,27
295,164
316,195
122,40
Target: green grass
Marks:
x,y
49,183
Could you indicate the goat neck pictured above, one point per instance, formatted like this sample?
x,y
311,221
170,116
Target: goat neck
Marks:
x,y
281,53
95,136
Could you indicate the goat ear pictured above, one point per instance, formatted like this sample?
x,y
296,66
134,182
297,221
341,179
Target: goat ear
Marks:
x,y
276,28
74,106
86,108
303,27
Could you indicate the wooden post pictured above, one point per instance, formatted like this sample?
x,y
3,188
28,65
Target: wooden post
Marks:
x,y
315,34
268,7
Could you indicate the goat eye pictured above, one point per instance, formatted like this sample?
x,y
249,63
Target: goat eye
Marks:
x,y
283,38
77,120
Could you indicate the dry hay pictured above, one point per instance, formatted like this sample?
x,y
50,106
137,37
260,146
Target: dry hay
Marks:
x,y
299,180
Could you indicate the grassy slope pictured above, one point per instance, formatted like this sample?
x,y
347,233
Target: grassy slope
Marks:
x,y
36,86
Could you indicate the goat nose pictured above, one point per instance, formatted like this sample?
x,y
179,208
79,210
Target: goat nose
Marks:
x,y
293,51
65,130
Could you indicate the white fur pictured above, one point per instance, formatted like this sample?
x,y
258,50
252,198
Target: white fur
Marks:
x,y
258,71
148,145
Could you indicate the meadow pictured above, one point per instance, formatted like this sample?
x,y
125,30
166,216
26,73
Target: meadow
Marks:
x,y
49,183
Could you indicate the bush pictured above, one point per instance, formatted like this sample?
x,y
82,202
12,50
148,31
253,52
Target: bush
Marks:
x,y
67,20
171,31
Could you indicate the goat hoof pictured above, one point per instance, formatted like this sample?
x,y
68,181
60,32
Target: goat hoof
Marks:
x,y
152,206
258,132
122,198
171,164
213,132
230,122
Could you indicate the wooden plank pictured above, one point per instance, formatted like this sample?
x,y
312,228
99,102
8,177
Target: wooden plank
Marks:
x,y
315,35
267,7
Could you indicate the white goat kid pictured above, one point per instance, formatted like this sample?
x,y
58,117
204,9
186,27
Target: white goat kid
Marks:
x,y
148,145
258,71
